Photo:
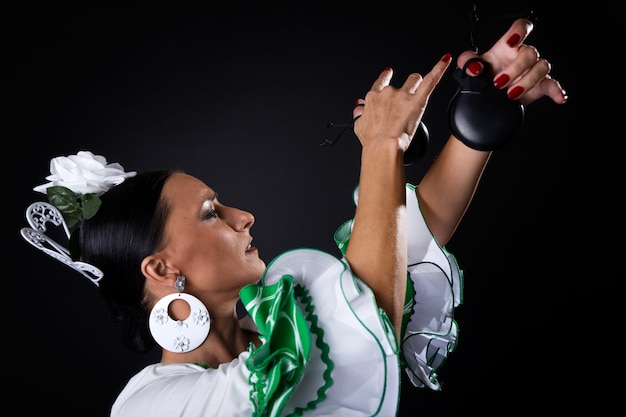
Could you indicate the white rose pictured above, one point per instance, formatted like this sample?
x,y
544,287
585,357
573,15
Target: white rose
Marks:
x,y
84,173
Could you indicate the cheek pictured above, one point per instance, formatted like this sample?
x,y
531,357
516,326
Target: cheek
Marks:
x,y
215,251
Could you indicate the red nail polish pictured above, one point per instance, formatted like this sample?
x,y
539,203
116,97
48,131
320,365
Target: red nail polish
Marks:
x,y
515,92
501,81
513,40
475,67
447,57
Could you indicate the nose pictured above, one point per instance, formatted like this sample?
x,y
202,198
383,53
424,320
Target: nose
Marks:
x,y
241,220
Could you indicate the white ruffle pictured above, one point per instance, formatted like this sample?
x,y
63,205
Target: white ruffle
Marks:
x,y
353,369
434,290
431,332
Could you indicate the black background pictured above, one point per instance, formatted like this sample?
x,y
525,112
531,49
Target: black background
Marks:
x,y
239,95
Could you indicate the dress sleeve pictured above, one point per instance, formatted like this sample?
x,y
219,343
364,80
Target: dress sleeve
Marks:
x,y
174,389
277,365
353,366
434,291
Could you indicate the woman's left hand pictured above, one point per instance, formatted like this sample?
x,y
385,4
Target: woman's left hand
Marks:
x,y
517,67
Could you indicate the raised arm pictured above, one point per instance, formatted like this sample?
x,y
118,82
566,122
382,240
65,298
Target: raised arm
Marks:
x,y
447,188
385,126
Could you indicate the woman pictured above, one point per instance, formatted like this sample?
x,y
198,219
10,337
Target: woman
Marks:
x,y
322,336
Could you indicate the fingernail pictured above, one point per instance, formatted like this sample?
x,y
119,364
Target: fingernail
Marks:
x,y
475,67
447,57
515,92
514,39
501,81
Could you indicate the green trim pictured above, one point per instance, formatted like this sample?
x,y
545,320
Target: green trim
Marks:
x,y
203,365
302,294
276,367
386,324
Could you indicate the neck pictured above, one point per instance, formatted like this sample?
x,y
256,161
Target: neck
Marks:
x,y
225,342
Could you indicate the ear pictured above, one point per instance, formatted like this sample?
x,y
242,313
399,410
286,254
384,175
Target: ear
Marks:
x,y
157,271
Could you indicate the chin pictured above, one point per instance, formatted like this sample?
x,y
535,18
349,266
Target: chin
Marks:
x,y
259,268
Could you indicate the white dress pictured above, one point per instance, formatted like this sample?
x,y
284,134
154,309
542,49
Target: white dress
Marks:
x,y
327,350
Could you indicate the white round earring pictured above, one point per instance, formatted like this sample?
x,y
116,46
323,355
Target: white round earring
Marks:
x,y
179,335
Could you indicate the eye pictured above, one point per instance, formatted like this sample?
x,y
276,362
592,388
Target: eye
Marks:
x,y
210,214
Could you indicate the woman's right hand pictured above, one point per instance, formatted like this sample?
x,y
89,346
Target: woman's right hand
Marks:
x,y
394,113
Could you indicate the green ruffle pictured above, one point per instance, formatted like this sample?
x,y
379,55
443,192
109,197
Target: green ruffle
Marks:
x,y
276,367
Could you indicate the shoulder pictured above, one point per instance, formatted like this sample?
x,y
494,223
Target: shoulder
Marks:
x,y
165,389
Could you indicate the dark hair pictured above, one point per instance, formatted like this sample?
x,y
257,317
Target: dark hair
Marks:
x,y
128,227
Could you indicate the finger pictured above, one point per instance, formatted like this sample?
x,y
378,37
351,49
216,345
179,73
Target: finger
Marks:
x,y
515,36
430,80
526,66
412,82
553,89
502,52
546,87
532,75
358,110
383,80
473,69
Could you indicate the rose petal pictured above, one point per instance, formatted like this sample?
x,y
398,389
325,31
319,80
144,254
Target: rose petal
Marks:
x,y
84,173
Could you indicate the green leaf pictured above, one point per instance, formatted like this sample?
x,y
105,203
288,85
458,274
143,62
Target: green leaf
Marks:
x,y
65,200
72,219
90,205
75,207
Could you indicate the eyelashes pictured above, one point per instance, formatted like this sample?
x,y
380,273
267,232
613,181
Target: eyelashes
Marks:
x,y
210,214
